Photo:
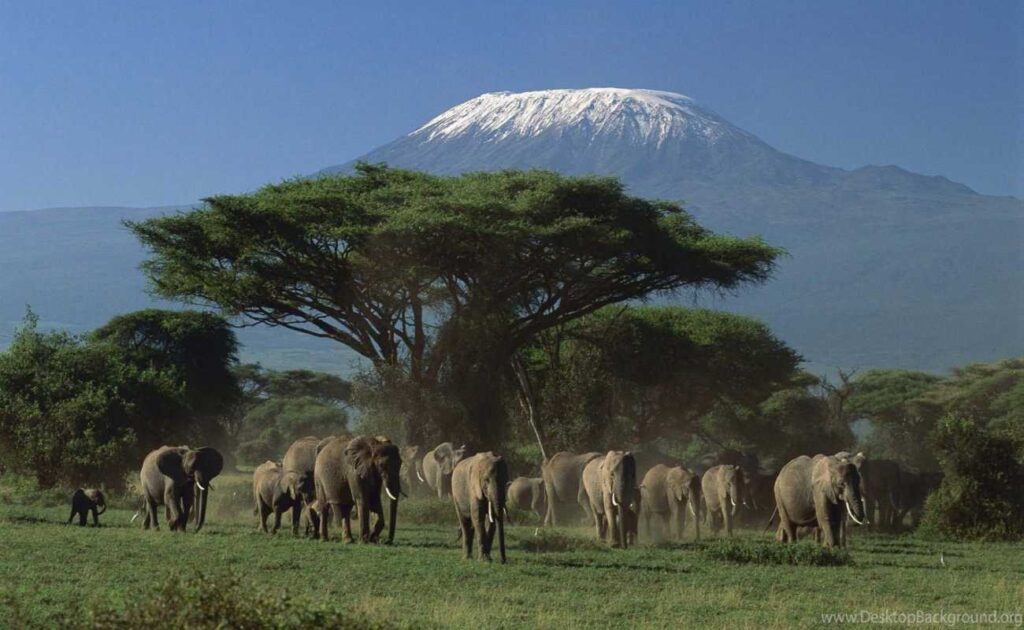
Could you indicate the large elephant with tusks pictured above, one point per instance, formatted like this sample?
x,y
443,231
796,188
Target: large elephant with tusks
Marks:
x,y
667,492
609,484
724,489
178,477
815,492
478,492
356,472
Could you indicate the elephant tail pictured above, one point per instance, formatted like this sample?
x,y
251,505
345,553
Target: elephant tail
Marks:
x,y
771,519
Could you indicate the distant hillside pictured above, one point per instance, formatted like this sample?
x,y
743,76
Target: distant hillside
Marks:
x,y
78,267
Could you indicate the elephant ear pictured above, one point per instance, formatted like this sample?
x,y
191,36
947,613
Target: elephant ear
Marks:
x,y
827,483
170,464
207,459
360,455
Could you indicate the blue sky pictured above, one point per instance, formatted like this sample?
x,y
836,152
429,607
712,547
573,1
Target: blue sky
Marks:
x,y
129,103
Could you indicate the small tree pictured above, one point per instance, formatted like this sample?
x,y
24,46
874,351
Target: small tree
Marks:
x,y
980,496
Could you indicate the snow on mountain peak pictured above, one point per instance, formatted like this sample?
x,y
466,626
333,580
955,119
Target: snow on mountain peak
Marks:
x,y
639,116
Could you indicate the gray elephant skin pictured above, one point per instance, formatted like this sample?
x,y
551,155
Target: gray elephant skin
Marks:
x,y
818,492
563,477
528,494
609,483
300,460
413,479
350,473
724,490
176,477
667,493
87,500
437,467
275,492
478,492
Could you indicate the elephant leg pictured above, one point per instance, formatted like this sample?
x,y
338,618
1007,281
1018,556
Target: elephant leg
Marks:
x,y
95,517
378,525
467,537
598,525
296,516
487,536
151,514
277,519
82,515
825,525
345,516
727,519
264,513
478,519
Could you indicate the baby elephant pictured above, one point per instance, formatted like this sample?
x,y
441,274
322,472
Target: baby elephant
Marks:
x,y
84,501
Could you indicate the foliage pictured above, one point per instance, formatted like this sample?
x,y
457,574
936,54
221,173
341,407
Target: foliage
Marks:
x,y
761,552
85,410
980,496
181,603
901,420
637,374
439,278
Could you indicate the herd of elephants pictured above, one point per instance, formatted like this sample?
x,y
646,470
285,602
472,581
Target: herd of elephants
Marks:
x,y
322,480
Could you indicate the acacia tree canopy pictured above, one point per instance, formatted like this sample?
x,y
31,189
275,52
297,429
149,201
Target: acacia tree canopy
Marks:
x,y
418,271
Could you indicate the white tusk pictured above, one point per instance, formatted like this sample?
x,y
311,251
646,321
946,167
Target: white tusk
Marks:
x,y
490,511
850,512
732,500
690,503
420,477
389,494
614,502
135,516
201,486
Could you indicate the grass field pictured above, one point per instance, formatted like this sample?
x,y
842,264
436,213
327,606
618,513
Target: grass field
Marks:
x,y
53,572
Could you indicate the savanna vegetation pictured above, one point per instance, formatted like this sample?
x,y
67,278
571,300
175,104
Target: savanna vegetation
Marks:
x,y
505,311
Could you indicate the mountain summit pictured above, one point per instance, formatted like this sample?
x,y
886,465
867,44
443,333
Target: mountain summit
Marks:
x,y
886,267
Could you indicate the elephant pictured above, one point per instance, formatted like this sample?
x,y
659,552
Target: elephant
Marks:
x,y
882,483
631,517
311,519
760,495
722,486
609,482
563,474
412,471
350,473
815,492
277,491
914,493
171,476
527,494
667,492
85,501
438,464
478,492
300,459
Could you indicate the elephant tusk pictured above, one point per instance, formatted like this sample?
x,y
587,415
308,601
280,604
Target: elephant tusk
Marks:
x,y
690,503
490,511
134,516
732,500
201,486
420,477
614,502
393,497
850,512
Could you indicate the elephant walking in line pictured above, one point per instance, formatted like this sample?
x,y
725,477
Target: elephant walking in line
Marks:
x,y
412,471
276,491
609,482
527,494
667,492
300,460
563,476
85,501
816,492
172,476
724,490
438,464
478,492
355,472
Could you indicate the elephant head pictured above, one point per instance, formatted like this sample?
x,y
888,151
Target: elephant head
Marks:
x,y
299,487
489,482
685,488
734,483
96,496
202,465
843,484
380,458
447,456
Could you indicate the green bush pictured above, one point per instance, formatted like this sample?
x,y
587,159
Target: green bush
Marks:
x,y
980,497
193,605
763,552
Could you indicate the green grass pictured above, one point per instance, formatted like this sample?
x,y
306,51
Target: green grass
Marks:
x,y
559,579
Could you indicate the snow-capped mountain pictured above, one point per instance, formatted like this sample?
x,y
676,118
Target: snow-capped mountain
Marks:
x,y
885,266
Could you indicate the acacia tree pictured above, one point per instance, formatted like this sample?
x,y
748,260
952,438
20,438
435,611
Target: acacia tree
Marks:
x,y
438,279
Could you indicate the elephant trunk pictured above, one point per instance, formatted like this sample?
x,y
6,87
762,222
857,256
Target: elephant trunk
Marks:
x,y
732,498
201,508
103,508
392,519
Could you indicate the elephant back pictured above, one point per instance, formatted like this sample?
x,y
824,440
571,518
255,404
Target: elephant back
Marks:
x,y
301,455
